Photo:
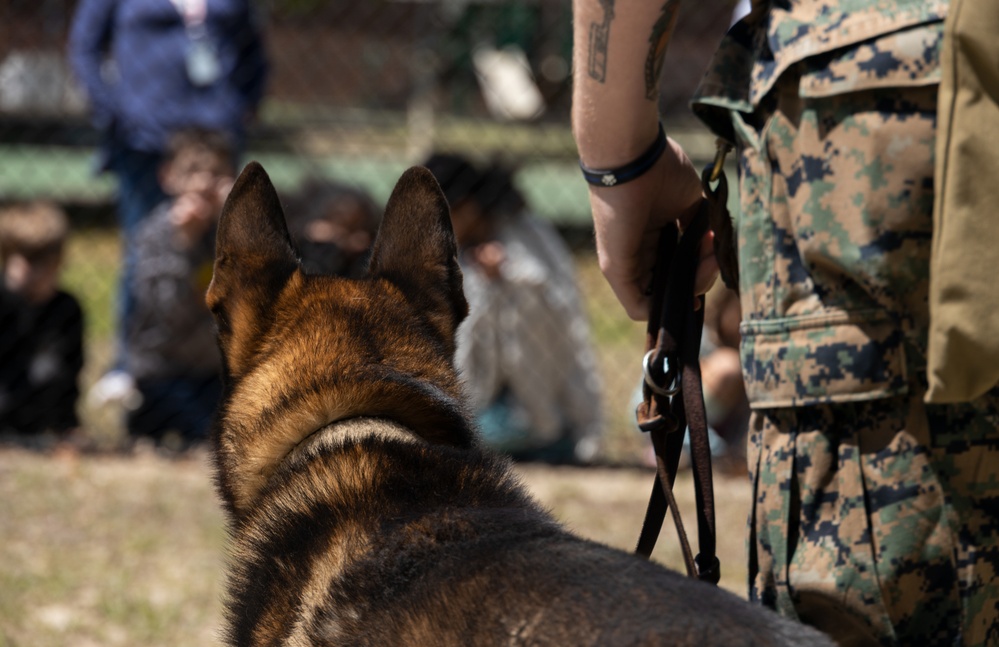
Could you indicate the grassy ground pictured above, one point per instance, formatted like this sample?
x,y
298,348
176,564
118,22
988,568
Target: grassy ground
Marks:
x,y
106,551
109,550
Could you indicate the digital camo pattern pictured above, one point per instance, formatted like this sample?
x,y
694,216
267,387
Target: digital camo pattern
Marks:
x,y
836,171
853,46
877,522
907,58
874,518
798,29
836,221
868,510
834,242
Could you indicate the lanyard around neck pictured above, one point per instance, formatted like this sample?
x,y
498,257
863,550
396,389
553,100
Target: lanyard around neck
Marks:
x,y
192,11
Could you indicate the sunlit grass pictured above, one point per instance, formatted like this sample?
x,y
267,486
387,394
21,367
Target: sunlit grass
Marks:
x,y
107,551
90,271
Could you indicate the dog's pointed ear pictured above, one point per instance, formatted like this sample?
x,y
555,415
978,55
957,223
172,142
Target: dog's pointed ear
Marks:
x,y
254,258
416,250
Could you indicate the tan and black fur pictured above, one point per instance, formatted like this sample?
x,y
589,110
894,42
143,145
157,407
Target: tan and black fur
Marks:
x,y
362,510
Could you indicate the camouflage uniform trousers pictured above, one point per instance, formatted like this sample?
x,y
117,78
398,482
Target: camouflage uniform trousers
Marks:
x,y
876,521
875,518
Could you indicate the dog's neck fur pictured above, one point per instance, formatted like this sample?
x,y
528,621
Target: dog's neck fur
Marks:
x,y
415,408
351,430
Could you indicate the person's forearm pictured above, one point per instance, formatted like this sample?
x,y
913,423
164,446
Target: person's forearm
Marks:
x,y
618,56
617,59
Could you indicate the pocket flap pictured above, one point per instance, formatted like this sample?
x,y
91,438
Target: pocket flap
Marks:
x,y
827,357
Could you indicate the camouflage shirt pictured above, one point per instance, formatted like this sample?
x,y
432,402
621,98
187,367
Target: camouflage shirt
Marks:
x,y
833,240
780,33
798,29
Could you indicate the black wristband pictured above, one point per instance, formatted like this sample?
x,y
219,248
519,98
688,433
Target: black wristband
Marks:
x,y
630,171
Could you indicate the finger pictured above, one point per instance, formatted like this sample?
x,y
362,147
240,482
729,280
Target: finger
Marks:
x,y
636,304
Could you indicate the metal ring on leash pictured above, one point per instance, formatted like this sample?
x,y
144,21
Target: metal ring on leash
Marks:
x,y
666,391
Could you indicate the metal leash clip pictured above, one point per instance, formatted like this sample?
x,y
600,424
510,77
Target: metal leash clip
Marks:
x,y
722,149
664,382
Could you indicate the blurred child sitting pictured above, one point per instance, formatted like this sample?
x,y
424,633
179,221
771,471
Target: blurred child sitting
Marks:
x,y
333,226
725,401
524,351
172,355
41,327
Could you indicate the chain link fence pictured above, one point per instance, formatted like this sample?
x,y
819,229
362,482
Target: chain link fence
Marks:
x,y
356,92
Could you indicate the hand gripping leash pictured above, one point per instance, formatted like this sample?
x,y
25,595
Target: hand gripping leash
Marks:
x,y
673,401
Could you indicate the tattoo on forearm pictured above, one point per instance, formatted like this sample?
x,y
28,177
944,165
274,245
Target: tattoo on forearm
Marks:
x,y
599,38
657,48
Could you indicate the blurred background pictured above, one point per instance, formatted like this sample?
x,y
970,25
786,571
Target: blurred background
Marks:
x,y
112,547
355,93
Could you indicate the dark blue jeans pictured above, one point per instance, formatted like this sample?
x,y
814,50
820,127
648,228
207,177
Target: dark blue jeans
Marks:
x,y
139,192
185,405
505,431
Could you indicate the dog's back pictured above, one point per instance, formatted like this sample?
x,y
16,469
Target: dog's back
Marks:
x,y
362,510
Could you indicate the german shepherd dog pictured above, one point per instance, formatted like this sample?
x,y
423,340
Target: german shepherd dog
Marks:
x,y
362,510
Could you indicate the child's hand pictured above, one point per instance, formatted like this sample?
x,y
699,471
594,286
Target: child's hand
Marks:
x,y
195,210
192,215
489,256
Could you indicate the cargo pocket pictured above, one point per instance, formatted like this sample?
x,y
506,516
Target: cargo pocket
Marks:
x,y
822,358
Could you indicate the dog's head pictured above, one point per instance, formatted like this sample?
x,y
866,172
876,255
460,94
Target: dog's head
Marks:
x,y
302,351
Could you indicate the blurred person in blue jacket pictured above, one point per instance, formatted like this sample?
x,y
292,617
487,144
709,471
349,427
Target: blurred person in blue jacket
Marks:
x,y
150,68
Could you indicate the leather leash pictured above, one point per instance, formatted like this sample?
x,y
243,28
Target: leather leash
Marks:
x,y
673,401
